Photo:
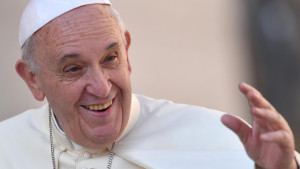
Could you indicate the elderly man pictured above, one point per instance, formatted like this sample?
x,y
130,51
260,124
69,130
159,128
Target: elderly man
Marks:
x,y
75,53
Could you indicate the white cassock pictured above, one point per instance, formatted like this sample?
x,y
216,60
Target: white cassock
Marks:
x,y
159,134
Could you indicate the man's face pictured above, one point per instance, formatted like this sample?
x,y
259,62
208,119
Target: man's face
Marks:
x,y
85,74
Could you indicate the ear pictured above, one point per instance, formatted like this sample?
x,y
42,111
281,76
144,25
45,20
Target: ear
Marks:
x,y
30,78
128,42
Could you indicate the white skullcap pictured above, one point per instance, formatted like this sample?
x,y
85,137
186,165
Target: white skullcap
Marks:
x,y
39,12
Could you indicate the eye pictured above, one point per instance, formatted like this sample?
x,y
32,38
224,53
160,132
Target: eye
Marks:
x,y
110,58
111,61
72,69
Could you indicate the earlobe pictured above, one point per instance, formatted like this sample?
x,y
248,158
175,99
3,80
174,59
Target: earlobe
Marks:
x,y
30,78
129,65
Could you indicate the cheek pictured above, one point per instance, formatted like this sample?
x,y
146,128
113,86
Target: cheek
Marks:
x,y
64,95
71,92
64,101
122,77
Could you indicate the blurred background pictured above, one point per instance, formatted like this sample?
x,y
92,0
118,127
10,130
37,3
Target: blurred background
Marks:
x,y
191,51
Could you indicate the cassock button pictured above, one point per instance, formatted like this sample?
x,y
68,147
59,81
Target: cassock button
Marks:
x,y
87,155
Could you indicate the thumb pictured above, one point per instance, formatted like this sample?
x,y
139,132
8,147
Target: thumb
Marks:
x,y
241,128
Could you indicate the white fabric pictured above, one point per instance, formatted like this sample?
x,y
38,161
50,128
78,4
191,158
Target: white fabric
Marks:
x,y
39,12
179,136
161,135
297,158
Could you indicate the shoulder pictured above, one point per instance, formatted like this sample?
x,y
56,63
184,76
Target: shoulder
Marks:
x,y
151,108
182,124
182,135
24,137
30,119
24,129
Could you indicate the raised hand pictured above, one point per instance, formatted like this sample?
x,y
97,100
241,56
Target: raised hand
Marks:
x,y
270,141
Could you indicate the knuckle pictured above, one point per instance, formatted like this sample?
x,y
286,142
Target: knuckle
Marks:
x,y
285,135
278,116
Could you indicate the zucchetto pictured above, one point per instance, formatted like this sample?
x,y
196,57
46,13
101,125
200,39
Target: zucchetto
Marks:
x,y
39,12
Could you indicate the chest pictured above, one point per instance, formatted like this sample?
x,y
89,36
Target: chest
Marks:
x,y
85,160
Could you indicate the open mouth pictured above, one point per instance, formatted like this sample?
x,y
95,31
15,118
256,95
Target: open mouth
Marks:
x,y
99,107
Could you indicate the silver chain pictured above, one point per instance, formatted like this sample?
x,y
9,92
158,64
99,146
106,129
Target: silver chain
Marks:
x,y
51,139
111,155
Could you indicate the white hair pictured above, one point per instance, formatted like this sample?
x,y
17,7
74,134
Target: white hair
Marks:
x,y
29,45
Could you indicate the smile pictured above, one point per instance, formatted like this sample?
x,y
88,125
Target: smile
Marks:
x,y
99,107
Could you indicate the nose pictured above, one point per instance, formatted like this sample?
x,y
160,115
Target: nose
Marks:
x,y
98,83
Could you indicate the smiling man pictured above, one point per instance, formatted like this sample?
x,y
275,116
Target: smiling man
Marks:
x,y
84,72
75,54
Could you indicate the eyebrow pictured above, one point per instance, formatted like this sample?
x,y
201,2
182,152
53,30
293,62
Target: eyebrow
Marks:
x,y
68,56
75,55
113,45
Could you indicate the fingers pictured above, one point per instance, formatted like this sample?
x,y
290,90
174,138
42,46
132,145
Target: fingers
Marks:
x,y
264,114
254,97
283,138
267,121
238,126
273,127
280,137
270,119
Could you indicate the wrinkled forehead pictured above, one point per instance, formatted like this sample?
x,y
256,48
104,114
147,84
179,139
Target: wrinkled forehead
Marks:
x,y
85,23
74,19
39,12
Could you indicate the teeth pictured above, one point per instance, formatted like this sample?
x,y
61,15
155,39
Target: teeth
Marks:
x,y
99,107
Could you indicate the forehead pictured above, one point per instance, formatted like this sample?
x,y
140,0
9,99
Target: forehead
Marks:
x,y
86,23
